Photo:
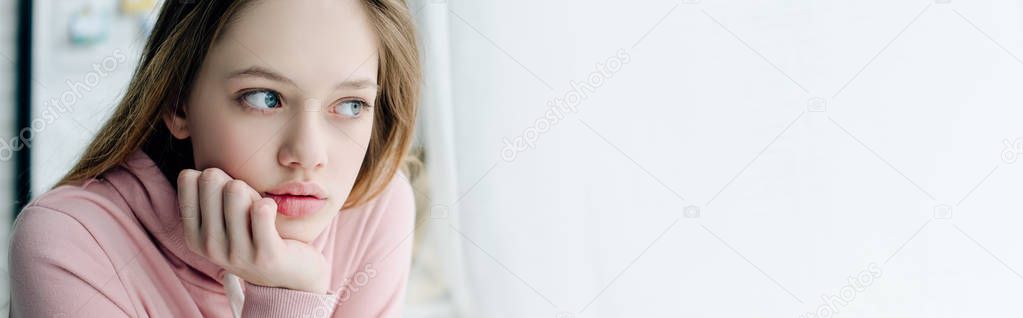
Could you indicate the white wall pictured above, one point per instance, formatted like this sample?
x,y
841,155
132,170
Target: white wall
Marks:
x,y
78,86
718,109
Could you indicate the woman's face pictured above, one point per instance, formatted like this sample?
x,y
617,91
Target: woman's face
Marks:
x,y
286,94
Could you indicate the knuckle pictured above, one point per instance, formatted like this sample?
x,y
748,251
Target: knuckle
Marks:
x,y
189,207
235,187
187,175
210,175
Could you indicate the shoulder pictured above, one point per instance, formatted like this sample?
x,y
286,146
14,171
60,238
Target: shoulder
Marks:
x,y
373,255
61,248
396,204
390,214
70,201
398,193
49,216
50,234
93,202
64,222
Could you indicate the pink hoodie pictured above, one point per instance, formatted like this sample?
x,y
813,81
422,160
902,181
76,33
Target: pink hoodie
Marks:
x,y
114,248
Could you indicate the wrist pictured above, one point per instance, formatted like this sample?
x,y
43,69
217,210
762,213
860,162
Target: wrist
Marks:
x,y
318,284
318,287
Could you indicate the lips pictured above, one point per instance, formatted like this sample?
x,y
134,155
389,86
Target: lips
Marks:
x,y
297,206
298,199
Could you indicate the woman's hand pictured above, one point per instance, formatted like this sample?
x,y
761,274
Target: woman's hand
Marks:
x,y
230,224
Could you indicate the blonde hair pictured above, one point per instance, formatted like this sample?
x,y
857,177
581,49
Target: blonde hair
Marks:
x,y
176,48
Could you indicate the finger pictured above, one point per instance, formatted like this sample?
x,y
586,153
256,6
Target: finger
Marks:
x,y
264,228
211,188
237,203
188,202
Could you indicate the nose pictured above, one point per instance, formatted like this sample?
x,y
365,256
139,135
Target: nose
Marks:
x,y
304,144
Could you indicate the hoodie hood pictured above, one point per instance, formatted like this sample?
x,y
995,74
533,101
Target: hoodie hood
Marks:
x,y
154,202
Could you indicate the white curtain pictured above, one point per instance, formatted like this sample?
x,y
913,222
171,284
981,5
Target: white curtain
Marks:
x,y
727,159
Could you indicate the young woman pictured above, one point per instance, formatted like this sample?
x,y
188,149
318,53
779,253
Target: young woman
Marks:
x,y
251,169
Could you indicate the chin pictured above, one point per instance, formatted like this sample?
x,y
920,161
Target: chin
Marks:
x,y
304,229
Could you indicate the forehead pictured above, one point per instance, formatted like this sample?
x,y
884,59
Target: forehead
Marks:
x,y
306,40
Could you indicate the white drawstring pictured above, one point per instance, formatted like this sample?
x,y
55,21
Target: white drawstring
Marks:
x,y
233,287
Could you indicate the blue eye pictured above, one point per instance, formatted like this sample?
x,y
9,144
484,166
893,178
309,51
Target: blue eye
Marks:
x,y
262,99
350,108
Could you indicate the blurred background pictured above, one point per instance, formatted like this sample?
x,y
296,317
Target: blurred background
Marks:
x,y
787,158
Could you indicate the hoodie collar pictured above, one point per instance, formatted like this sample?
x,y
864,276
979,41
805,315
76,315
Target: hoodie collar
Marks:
x,y
155,204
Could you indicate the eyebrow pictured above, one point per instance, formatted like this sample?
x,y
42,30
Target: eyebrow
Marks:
x,y
257,71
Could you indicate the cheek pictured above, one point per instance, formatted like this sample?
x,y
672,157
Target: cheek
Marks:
x,y
229,144
348,147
